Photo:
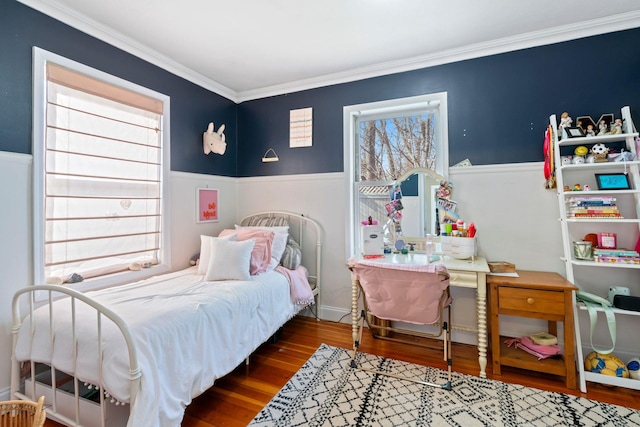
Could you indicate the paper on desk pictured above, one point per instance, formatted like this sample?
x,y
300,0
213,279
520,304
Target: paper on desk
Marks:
x,y
514,274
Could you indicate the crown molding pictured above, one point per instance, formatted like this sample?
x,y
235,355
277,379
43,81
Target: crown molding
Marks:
x,y
592,27
108,35
523,41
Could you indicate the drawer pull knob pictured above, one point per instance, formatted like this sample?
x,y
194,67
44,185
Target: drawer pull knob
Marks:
x,y
530,300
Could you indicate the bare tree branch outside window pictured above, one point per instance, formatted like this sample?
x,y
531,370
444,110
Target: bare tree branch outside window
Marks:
x,y
390,147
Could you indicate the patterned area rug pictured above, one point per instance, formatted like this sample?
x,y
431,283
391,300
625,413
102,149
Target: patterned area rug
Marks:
x,y
326,391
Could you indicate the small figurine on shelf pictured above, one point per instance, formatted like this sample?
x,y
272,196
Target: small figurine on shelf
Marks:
x,y
565,122
567,188
578,160
617,127
586,188
576,187
590,131
603,128
566,160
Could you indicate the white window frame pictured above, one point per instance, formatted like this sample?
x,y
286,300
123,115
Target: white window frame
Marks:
x,y
40,59
371,111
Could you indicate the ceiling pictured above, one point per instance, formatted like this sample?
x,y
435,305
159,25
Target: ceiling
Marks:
x,y
246,49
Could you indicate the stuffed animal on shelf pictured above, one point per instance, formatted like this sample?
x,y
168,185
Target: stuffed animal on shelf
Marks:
x,y
600,152
616,128
214,141
578,160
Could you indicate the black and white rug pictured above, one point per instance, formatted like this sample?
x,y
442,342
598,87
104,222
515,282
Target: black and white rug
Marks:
x,y
326,391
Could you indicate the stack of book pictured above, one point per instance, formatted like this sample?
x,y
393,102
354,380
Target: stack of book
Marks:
x,y
618,256
592,207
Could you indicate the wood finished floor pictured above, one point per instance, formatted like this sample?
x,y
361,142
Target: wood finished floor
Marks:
x,y
235,399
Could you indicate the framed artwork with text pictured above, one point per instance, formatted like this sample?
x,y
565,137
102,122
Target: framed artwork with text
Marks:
x,y
207,204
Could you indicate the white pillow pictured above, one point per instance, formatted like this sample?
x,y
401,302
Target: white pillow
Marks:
x,y
205,250
279,242
230,260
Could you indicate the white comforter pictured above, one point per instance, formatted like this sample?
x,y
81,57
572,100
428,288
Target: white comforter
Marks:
x,y
187,333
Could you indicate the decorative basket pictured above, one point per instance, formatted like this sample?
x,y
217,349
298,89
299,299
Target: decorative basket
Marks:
x,y
22,413
501,267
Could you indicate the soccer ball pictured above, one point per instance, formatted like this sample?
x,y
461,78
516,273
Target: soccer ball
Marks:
x,y
634,368
599,151
605,364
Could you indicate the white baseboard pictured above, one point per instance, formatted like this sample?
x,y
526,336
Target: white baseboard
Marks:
x,y
337,314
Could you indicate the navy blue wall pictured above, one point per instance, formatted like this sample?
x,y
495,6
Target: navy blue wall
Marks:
x,y
499,105
192,107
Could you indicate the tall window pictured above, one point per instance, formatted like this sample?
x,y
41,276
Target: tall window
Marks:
x,y
99,165
383,140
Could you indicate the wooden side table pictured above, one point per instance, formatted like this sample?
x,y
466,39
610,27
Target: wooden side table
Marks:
x,y
538,295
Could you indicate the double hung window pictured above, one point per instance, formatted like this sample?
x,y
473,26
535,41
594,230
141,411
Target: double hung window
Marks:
x,y
384,140
100,167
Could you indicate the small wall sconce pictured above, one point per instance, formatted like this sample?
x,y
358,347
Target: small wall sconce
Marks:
x,y
273,158
214,141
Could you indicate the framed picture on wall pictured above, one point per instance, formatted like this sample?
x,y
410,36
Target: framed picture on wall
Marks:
x,y
207,204
612,181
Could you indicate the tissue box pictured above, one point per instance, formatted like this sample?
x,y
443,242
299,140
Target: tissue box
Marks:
x,y
458,247
371,240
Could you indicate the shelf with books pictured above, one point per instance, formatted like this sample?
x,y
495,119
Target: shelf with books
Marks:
x,y
587,263
610,205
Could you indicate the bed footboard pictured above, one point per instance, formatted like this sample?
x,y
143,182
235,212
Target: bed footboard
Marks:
x,y
68,399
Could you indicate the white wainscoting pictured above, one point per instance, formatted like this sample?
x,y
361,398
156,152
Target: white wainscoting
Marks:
x,y
15,247
515,216
517,221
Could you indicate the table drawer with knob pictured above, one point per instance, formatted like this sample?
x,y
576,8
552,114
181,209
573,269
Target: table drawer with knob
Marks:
x,y
531,300
463,279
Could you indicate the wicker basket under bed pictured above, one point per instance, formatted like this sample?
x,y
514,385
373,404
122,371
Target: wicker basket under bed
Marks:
x,y
22,413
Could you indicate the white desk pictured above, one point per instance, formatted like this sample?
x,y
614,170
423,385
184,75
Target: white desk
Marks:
x,y
463,274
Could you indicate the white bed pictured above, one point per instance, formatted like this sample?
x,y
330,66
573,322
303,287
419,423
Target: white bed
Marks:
x,y
163,340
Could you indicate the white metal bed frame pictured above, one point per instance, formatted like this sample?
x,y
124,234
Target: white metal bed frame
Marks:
x,y
299,226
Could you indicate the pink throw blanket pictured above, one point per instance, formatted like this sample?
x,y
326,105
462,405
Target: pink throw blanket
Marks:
x,y
401,292
299,287
540,351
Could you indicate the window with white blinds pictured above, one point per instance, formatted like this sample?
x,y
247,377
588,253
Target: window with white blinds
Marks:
x,y
102,177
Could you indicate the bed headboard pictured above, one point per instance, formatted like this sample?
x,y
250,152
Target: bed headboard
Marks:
x,y
304,230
